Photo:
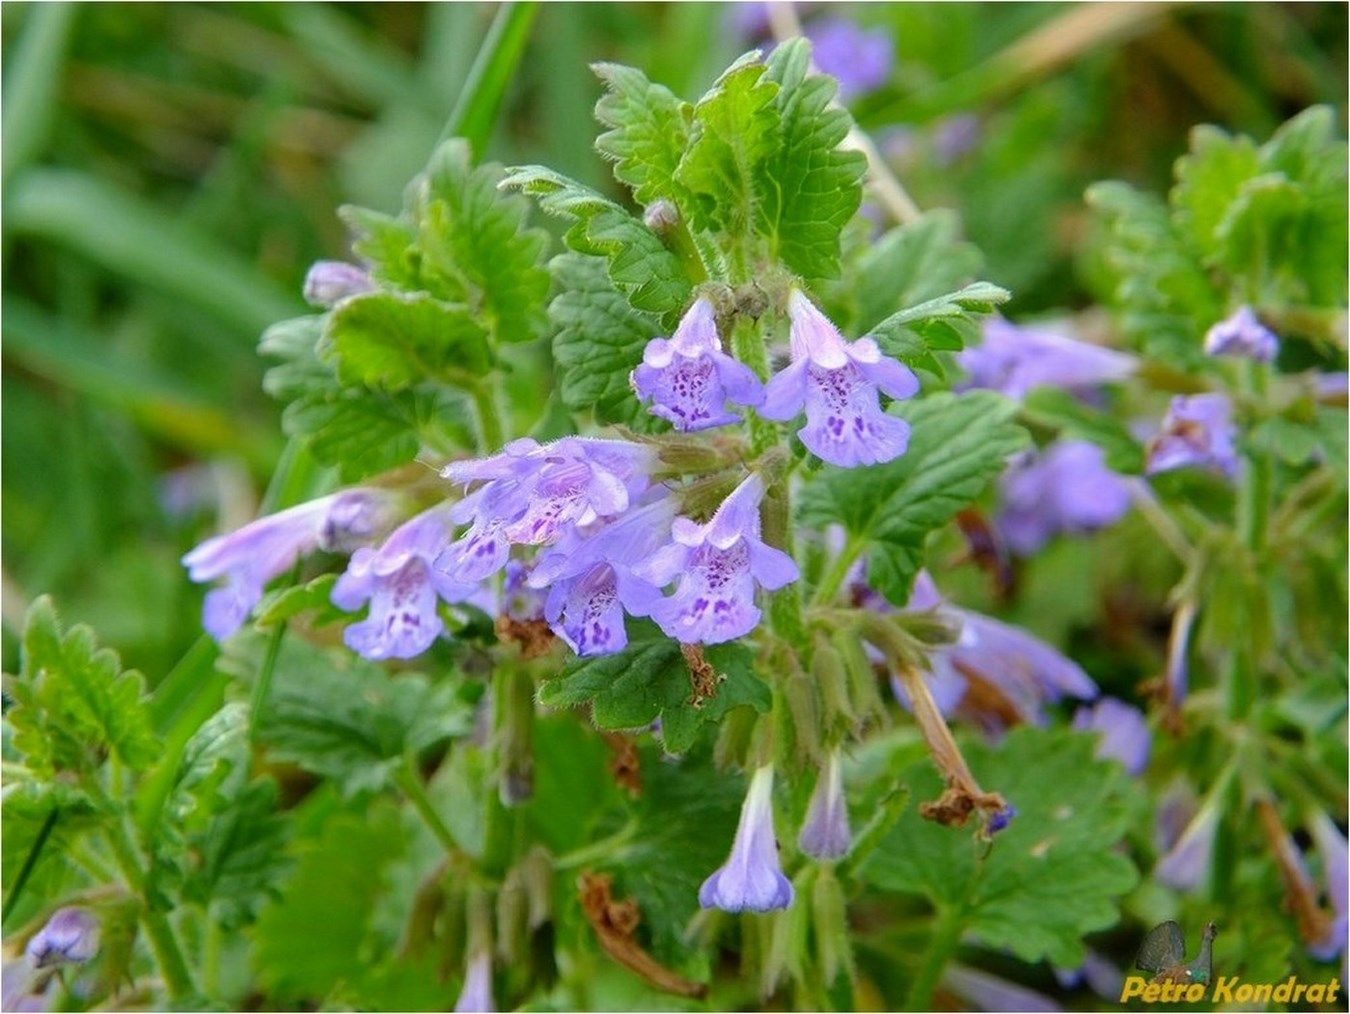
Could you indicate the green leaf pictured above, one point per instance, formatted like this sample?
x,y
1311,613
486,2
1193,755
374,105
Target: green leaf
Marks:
x,y
814,186
735,132
649,275
393,342
312,939
362,431
1208,180
1051,877
72,701
942,324
296,599
957,445
474,242
908,266
685,821
629,689
649,129
343,718
220,838
28,802
1060,410
388,244
598,342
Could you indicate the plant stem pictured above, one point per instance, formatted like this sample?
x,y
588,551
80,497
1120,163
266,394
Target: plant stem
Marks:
x,y
493,68
834,577
1253,510
30,861
941,946
489,418
410,782
605,848
168,954
264,681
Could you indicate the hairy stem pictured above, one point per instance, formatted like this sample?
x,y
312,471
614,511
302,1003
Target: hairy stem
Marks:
x,y
410,783
258,699
941,946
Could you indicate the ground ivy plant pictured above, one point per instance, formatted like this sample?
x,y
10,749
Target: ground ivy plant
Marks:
x,y
637,694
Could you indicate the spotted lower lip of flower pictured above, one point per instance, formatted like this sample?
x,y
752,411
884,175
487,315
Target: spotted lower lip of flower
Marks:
x,y
1015,360
70,936
268,547
1122,729
1242,335
837,383
717,567
689,379
403,588
825,833
532,494
590,578
1196,432
752,879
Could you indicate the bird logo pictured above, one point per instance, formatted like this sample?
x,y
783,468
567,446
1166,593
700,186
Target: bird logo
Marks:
x,y
1163,953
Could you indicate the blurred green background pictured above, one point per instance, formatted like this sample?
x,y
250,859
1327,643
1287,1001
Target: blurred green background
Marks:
x,y
171,170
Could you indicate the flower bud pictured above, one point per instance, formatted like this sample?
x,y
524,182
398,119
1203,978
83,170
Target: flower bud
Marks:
x,y
515,731
804,707
828,673
70,936
537,874
512,912
330,282
830,916
825,832
661,216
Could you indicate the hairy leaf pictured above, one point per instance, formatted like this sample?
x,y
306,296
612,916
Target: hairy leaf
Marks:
x,y
649,128
958,444
1051,877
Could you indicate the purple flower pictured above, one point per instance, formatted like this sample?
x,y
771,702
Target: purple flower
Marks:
x,y
1177,676
1244,335
520,600
837,382
1001,819
263,549
17,982
1099,973
985,991
1065,488
859,59
1197,431
403,587
1022,670
1331,386
825,833
1185,865
689,379
590,578
476,994
534,493
1122,729
1014,360
954,136
751,879
717,566
70,936
1332,850
330,282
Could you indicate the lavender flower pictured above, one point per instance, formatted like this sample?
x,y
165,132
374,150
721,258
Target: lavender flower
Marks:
x,y
1332,850
689,379
1185,865
1023,671
717,566
533,493
1122,729
1098,973
1000,819
402,586
954,136
520,599
860,60
751,879
1014,360
825,833
18,992
1244,335
1065,488
991,992
330,282
1197,431
258,552
591,583
837,382
70,936
476,994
